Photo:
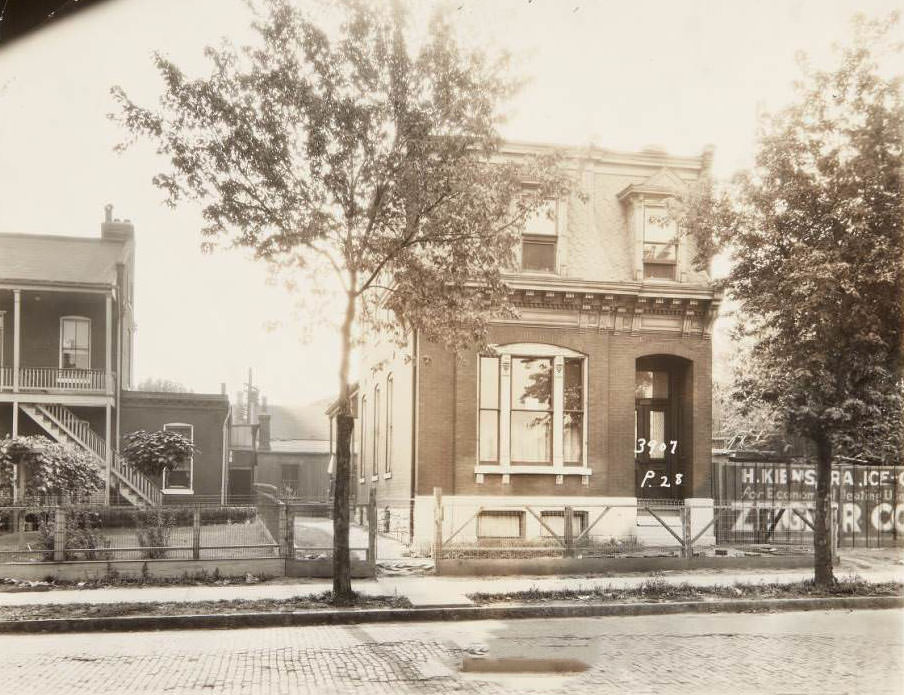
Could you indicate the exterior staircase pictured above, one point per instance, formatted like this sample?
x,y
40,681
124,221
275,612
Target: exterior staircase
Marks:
x,y
65,426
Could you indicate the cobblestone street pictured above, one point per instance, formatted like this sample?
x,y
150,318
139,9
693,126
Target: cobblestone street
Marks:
x,y
830,652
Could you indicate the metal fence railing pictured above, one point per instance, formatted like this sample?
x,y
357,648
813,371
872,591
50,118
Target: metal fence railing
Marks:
x,y
33,533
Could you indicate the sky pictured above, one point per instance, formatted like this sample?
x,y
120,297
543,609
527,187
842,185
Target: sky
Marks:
x,y
677,73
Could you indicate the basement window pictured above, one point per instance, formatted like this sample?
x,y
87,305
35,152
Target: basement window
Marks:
x,y
502,524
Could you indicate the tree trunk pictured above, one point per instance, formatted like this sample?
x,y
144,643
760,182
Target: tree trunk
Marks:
x,y
822,547
342,578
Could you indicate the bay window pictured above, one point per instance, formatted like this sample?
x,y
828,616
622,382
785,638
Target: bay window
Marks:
x,y
531,405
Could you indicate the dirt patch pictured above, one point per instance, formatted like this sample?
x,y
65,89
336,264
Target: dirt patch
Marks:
x,y
234,607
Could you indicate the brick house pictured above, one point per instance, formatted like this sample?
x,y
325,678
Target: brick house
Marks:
x,y
599,392
66,344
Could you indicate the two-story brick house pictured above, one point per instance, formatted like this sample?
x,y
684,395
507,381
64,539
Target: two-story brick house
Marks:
x,y
599,392
66,344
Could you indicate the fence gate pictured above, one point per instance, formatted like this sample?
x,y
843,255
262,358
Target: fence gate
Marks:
x,y
309,542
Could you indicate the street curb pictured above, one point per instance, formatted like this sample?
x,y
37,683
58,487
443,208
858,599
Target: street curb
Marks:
x,y
385,615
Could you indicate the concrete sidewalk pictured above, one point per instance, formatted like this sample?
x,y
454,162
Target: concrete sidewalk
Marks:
x,y
422,591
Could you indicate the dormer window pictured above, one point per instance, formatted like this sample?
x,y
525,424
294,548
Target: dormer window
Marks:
x,y
539,240
660,244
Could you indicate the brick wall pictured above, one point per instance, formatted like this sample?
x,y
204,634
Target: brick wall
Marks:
x,y
448,414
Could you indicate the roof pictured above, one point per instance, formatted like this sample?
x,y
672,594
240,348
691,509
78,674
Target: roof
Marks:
x,y
299,446
32,258
299,422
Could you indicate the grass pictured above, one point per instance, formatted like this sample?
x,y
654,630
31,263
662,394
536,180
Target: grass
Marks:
x,y
656,588
322,601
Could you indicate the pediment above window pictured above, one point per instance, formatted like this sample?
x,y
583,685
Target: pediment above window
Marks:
x,y
663,183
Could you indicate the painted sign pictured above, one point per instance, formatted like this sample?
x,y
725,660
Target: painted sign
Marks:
x,y
776,499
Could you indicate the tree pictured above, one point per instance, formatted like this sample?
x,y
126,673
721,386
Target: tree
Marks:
x,y
816,232
152,453
359,156
49,468
162,386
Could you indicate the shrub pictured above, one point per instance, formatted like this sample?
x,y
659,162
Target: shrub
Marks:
x,y
84,538
154,531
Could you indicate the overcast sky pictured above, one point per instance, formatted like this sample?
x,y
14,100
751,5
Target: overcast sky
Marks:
x,y
678,73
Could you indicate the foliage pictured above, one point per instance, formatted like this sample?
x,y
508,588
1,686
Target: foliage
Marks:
x,y
52,469
155,452
820,239
817,233
155,528
84,538
364,158
162,386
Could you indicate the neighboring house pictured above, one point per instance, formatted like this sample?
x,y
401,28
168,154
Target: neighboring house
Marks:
x,y
611,352
283,446
66,338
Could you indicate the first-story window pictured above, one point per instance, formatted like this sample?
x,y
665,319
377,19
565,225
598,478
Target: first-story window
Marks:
x,y
389,418
180,477
375,465
363,436
75,342
489,409
532,411
532,407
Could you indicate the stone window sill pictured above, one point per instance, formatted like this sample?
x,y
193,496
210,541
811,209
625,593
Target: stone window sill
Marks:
x,y
533,470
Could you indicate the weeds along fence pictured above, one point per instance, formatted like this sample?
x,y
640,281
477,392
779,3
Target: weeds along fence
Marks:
x,y
61,533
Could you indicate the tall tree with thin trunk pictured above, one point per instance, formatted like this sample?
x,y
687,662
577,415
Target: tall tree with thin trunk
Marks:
x,y
816,229
341,146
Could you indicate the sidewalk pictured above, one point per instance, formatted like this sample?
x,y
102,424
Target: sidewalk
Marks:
x,y
431,591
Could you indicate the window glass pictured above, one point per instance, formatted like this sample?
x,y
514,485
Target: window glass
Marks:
x,y
658,226
75,343
658,271
179,478
651,385
489,435
375,466
542,222
489,382
389,390
657,434
531,437
573,434
531,383
538,253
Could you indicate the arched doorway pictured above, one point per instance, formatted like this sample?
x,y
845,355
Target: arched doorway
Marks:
x,y
663,421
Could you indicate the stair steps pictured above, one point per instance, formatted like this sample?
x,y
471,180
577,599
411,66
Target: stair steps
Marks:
x,y
64,426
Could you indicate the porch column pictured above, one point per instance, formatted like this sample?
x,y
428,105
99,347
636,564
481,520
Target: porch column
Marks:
x,y
17,329
108,355
108,453
16,475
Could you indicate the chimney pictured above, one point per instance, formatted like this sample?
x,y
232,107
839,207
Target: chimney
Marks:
x,y
263,433
115,229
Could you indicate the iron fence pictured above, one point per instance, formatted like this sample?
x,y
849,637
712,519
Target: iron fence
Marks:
x,y
32,533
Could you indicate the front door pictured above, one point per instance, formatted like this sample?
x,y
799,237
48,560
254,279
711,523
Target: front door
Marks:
x,y
655,441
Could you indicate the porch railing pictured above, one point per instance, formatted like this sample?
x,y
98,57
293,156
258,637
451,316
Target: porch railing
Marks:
x,y
54,379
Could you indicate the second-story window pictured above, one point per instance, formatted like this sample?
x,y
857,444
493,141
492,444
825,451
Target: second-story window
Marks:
x,y
660,245
75,342
539,240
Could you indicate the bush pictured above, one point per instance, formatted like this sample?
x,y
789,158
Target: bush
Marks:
x,y
154,531
84,538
